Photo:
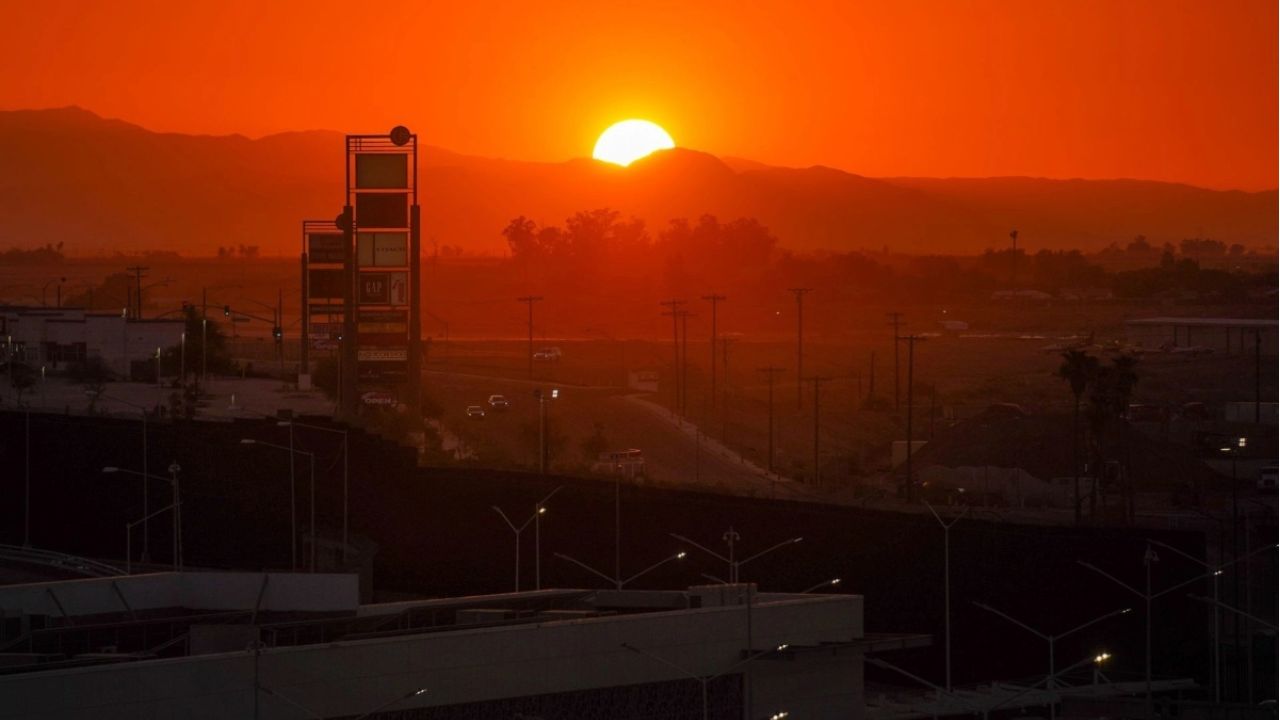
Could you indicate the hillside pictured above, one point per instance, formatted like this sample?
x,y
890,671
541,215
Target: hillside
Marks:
x,y
102,185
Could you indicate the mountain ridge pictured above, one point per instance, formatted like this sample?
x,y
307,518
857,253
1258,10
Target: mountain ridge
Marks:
x,y
69,175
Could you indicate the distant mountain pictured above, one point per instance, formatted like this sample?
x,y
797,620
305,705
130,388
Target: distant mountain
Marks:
x,y
101,185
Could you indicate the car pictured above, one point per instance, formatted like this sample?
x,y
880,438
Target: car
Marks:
x,y
499,402
475,412
548,353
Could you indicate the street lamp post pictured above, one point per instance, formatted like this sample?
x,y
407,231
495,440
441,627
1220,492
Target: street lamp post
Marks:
x,y
731,537
946,574
1214,572
541,395
538,509
293,502
825,583
146,533
1148,558
346,437
617,581
1051,639
707,679
177,512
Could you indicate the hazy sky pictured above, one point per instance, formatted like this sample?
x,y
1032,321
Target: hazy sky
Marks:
x,y
1168,89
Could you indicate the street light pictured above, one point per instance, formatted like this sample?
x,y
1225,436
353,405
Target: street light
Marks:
x,y
619,583
946,574
705,679
345,485
731,537
825,583
541,395
1052,639
539,509
146,535
293,502
176,506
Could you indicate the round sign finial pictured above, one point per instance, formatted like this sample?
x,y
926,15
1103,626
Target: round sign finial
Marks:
x,y
400,135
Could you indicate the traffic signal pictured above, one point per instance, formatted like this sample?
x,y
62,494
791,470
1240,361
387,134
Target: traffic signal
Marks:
x,y
278,333
226,311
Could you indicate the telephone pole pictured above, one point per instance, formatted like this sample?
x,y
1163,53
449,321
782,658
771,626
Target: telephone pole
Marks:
x,y
871,377
817,467
895,319
714,299
911,365
800,293
770,372
673,305
1013,279
530,300
137,271
724,388
684,360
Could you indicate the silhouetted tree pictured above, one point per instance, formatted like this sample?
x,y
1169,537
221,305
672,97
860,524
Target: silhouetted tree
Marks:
x,y
1079,370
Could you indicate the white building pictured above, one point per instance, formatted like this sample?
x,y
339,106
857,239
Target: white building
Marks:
x,y
254,645
1226,336
46,336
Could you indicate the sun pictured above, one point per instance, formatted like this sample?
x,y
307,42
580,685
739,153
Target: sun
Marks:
x,y
627,141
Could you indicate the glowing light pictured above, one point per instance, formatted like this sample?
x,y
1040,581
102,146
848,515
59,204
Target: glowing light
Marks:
x,y
627,141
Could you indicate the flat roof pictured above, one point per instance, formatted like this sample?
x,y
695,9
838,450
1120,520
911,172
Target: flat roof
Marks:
x,y
1206,322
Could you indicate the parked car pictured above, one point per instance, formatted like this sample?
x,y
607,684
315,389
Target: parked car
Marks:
x,y
548,353
475,411
499,402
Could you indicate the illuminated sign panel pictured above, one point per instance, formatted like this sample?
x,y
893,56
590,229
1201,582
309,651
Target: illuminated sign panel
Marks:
x,y
384,249
328,284
382,210
382,171
325,248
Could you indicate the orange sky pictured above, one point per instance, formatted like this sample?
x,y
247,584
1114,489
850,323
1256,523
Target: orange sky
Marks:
x,y
1168,90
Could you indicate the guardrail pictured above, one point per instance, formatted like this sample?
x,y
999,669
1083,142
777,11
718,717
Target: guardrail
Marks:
x,y
59,561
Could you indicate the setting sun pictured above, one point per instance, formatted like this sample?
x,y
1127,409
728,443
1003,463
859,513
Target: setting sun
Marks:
x,y
627,141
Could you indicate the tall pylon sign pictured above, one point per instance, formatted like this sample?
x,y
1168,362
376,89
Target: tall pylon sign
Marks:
x,y
381,224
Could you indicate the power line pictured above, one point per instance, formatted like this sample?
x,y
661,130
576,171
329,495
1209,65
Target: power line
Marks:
x,y
895,319
138,271
800,293
911,364
684,360
714,299
673,304
817,466
770,372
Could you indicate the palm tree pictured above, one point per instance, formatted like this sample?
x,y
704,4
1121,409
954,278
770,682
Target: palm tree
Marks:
x,y
1079,370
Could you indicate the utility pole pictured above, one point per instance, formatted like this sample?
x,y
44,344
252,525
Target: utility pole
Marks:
x,y
800,293
895,319
770,373
714,299
137,271
684,360
911,365
871,377
1013,280
724,388
1257,377
530,300
817,467
674,304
